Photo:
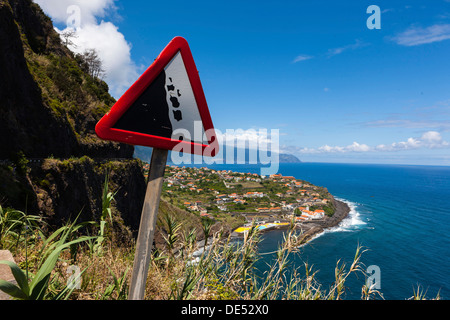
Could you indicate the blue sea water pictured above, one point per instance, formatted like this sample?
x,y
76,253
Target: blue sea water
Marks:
x,y
400,213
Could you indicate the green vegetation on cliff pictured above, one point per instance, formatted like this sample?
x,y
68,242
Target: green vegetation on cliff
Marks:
x,y
51,161
49,102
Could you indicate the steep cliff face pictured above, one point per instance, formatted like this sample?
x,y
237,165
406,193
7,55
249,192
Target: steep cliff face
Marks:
x,y
49,106
67,188
48,110
23,116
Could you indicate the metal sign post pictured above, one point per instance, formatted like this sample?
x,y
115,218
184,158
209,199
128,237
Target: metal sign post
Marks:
x,y
147,225
166,100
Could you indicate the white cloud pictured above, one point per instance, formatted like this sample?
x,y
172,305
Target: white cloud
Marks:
x,y
60,10
113,50
415,36
429,140
409,144
251,137
332,52
301,58
103,36
327,148
336,51
354,147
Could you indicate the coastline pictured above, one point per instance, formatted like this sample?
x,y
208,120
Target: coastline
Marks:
x,y
311,229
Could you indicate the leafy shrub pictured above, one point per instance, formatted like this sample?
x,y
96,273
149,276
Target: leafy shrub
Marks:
x,y
20,163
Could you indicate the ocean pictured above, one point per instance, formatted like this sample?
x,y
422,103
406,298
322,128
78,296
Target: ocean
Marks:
x,y
399,213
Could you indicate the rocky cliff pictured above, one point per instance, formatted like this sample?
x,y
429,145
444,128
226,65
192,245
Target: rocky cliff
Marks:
x,y
51,161
49,106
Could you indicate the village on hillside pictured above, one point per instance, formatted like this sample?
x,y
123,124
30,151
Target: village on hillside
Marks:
x,y
241,198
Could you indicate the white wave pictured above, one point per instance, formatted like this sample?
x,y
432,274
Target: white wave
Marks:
x,y
351,223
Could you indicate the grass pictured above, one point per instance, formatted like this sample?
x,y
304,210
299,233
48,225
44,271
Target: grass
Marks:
x,y
225,271
34,285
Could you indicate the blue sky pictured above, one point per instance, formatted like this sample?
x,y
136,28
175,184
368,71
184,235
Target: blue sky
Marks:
x,y
337,90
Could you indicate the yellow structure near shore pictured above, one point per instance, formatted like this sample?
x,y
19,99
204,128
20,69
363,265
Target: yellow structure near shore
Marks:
x,y
264,226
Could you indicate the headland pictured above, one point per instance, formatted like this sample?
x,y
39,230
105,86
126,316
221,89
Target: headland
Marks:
x,y
236,200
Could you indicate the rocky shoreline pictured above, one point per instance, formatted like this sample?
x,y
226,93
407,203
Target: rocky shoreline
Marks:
x,y
310,229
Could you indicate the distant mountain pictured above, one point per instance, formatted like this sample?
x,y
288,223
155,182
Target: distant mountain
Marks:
x,y
145,153
288,158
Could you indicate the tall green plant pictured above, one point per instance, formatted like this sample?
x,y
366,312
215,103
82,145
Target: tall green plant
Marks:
x,y
107,200
12,226
35,287
184,292
206,227
173,232
119,286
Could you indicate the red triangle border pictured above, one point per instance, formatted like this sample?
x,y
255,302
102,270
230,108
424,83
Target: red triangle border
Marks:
x,y
104,128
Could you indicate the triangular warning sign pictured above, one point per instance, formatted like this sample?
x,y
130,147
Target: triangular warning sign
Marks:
x,y
165,108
